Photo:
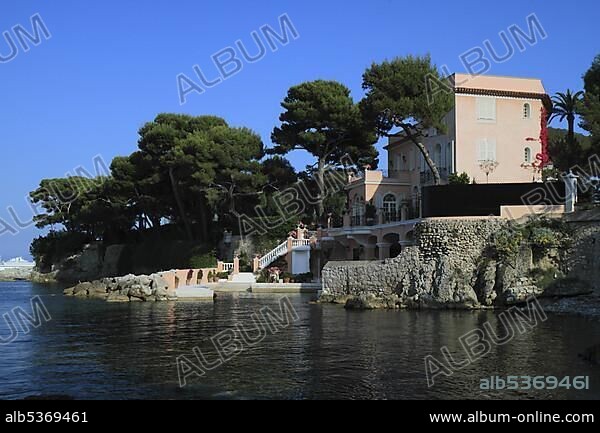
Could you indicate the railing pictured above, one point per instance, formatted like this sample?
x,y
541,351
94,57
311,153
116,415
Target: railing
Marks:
x,y
396,173
227,267
358,221
407,212
273,255
391,217
301,242
386,173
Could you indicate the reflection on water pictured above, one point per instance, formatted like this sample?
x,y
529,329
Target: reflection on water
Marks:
x,y
91,349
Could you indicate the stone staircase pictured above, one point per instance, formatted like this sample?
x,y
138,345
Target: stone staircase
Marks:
x,y
280,251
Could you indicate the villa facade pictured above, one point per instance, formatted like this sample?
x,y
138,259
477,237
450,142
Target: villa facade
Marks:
x,y
493,134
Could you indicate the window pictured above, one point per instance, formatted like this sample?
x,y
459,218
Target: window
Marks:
x,y
389,208
528,155
486,109
437,155
486,150
449,157
526,111
358,211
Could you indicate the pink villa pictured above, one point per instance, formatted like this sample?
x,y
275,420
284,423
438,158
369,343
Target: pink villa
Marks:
x,y
493,135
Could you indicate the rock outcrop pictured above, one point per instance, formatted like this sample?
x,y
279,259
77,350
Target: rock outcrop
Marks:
x,y
130,288
15,275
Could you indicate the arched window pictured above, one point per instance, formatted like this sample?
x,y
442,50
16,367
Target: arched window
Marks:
x,y
449,157
528,155
526,111
390,208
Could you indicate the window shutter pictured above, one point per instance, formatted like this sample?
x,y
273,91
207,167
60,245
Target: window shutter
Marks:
x,y
486,108
482,150
486,149
491,149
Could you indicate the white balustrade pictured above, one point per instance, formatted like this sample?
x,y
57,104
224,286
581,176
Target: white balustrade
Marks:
x,y
273,255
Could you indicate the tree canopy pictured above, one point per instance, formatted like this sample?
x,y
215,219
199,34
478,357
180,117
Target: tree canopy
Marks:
x,y
321,118
590,111
398,96
192,173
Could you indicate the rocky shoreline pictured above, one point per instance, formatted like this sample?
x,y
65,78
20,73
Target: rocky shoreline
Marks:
x,y
585,306
130,288
16,275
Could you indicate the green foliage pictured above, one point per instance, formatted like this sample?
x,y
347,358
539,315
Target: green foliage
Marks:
x,y
590,111
186,171
370,211
204,260
245,263
540,233
403,93
507,242
459,179
545,238
50,249
303,278
263,277
321,118
399,92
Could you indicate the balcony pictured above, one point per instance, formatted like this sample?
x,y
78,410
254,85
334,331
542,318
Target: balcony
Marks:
x,y
383,217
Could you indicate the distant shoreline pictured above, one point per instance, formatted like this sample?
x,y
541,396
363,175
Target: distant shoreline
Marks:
x,y
16,274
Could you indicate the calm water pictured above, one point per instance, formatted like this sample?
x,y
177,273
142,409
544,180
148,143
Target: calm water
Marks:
x,y
91,349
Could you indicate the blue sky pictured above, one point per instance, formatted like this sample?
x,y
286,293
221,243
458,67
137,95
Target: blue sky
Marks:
x,y
111,66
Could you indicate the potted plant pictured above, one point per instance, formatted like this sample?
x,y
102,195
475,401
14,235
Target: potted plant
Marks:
x,y
370,214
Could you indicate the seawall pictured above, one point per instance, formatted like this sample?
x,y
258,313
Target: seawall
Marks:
x,y
452,267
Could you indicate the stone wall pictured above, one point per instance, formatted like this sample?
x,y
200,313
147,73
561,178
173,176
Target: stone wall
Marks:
x,y
584,258
84,266
451,267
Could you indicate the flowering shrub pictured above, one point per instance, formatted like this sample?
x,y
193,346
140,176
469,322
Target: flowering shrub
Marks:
x,y
544,237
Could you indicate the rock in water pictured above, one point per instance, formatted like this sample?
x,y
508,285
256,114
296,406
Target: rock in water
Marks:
x,y
115,297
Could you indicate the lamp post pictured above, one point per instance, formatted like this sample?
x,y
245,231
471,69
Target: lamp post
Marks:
x,y
488,167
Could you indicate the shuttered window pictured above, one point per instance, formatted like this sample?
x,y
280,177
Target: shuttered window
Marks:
x,y
486,149
486,109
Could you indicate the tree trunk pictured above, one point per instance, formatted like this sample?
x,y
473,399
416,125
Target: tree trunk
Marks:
x,y
186,222
320,177
571,131
203,219
437,179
